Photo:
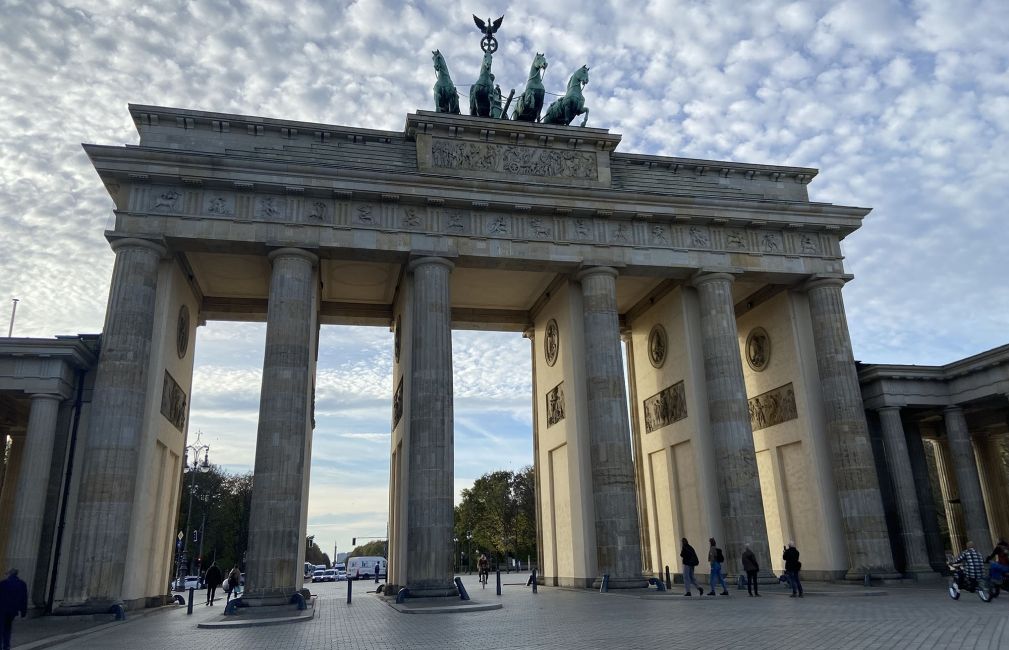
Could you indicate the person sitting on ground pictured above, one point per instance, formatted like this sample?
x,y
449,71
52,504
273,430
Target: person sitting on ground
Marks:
x,y
972,563
999,559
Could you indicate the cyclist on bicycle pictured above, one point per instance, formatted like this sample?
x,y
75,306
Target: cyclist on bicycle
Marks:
x,y
999,559
483,565
972,563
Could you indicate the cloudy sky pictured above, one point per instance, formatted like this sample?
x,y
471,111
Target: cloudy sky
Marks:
x,y
903,106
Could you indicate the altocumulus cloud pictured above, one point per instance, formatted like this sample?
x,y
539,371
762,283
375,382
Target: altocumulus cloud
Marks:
x,y
903,106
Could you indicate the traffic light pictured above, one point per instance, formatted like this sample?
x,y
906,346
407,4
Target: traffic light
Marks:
x,y
353,541
196,535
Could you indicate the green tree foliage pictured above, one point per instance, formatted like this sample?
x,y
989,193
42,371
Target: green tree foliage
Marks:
x,y
378,548
497,516
314,554
220,506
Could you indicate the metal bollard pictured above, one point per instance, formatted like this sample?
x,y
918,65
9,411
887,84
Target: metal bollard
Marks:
x,y
604,585
350,590
534,581
463,595
498,582
189,608
867,581
669,583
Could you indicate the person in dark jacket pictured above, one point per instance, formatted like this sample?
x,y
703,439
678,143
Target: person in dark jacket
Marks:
x,y
214,579
751,568
792,566
13,601
689,556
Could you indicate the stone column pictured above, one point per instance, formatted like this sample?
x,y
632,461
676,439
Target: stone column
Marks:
x,y
11,472
639,463
917,449
96,560
618,545
431,490
905,494
22,551
967,480
739,496
531,335
949,494
276,525
854,471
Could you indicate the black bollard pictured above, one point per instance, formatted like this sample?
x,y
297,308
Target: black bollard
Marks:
x,y
534,581
189,608
669,583
604,584
350,589
498,582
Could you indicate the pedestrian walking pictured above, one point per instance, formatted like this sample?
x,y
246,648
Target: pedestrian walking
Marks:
x,y
689,557
715,558
13,601
234,579
751,568
214,579
792,566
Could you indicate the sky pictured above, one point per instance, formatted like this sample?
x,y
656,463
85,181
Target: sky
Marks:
x,y
902,106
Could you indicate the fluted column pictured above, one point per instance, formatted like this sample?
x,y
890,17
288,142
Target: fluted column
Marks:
x,y
531,335
618,545
96,560
10,485
967,480
912,533
949,493
431,489
854,470
33,481
739,496
280,488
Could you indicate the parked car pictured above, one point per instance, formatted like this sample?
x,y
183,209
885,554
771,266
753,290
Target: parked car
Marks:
x,y
341,575
319,575
330,575
191,582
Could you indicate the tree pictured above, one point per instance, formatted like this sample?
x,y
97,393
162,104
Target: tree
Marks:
x,y
221,506
498,515
377,548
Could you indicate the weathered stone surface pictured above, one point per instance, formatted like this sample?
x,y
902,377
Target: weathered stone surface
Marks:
x,y
618,546
854,471
430,490
967,480
735,460
899,461
284,439
96,561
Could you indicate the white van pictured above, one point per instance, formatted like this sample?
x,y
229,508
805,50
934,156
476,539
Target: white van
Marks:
x,y
363,567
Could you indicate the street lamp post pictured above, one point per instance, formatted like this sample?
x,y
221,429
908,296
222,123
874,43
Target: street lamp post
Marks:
x,y
201,467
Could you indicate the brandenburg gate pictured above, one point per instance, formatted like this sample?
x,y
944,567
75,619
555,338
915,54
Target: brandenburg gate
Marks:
x,y
706,294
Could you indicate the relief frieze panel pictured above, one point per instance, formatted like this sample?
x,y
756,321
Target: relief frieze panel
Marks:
x,y
773,407
173,402
665,407
520,224
513,160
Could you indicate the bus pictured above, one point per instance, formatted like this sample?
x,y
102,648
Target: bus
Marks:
x,y
309,570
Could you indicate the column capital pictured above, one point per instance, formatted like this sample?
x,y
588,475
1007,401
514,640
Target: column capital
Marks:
x,y
135,242
818,281
430,259
42,396
704,277
529,333
312,258
888,409
951,409
586,271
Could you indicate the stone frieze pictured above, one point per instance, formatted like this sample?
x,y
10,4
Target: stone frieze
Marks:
x,y
513,160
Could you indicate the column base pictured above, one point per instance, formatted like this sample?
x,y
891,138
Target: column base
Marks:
x,y
624,582
90,607
430,592
858,575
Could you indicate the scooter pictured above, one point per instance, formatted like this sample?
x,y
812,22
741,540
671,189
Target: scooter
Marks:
x,y
960,582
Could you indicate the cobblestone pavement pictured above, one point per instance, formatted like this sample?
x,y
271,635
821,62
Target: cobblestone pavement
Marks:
x,y
828,617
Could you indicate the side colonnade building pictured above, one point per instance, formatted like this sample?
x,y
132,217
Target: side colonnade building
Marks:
x,y
706,294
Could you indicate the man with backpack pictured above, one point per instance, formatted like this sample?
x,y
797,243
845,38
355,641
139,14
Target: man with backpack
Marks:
x,y
715,558
689,556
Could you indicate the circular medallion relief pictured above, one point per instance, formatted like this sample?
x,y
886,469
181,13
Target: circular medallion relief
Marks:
x,y
182,332
657,346
758,349
397,337
551,343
